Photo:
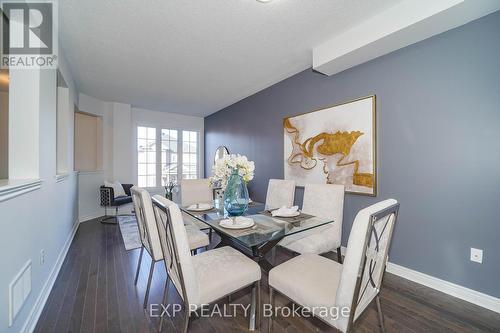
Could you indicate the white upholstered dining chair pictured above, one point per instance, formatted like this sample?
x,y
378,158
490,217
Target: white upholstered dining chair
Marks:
x,y
195,191
150,238
326,201
206,277
280,193
317,283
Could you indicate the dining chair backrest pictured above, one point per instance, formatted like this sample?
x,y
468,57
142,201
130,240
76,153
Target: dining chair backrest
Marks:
x,y
136,199
365,259
280,193
327,201
175,247
195,191
147,218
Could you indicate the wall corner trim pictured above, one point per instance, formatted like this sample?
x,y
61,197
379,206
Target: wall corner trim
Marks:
x,y
36,311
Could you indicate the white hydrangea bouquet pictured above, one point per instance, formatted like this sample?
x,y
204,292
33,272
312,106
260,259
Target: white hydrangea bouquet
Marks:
x,y
224,168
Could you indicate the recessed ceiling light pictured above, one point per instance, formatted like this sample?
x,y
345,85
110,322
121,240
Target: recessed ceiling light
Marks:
x,y
264,0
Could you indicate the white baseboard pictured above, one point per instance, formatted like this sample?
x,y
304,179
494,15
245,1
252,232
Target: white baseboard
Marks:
x,y
455,290
90,216
36,311
466,294
124,209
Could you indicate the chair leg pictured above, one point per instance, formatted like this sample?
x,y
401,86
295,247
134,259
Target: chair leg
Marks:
x,y
253,308
110,219
165,301
210,235
258,307
271,302
339,256
380,315
138,266
186,319
146,296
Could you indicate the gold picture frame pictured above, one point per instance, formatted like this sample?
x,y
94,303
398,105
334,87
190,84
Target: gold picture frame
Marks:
x,y
334,144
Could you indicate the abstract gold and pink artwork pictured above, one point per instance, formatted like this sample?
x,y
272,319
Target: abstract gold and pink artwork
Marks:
x,y
334,145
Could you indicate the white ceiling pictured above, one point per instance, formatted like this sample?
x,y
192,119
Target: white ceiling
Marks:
x,y
197,56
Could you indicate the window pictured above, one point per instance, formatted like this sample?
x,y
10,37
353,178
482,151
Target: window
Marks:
x,y
146,156
169,159
189,155
176,159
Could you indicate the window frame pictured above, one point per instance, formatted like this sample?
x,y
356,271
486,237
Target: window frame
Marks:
x,y
181,172
179,129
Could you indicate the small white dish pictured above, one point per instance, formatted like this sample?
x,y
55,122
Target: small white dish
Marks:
x,y
200,207
294,214
239,222
286,212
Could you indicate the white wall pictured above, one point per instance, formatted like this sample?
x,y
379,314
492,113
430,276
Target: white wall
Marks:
x,y
44,218
25,98
4,133
89,182
122,143
120,122
64,114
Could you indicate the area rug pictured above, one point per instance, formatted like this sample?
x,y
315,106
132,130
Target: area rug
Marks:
x,y
130,232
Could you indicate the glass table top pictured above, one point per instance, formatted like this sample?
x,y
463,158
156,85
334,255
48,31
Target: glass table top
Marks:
x,y
266,228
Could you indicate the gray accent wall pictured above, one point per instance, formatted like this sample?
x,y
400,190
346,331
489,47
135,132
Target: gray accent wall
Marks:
x,y
438,117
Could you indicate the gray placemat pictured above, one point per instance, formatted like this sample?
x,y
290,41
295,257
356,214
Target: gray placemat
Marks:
x,y
256,229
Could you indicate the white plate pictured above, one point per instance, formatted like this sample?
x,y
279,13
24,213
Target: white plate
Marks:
x,y
294,214
200,208
228,223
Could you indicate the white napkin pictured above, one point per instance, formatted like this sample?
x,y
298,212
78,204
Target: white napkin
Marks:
x,y
285,211
200,206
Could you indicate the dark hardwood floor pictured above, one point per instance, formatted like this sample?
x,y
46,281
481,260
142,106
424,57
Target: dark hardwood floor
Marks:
x,y
95,292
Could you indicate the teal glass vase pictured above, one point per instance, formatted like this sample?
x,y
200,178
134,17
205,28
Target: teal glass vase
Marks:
x,y
236,195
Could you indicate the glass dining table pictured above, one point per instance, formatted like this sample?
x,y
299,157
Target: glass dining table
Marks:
x,y
263,236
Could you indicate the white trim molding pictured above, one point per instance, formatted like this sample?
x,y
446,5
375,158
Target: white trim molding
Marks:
x,y
91,216
455,290
61,177
36,311
13,188
466,294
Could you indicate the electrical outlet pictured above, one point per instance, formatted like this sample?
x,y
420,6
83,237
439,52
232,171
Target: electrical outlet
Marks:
x,y
476,255
42,256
